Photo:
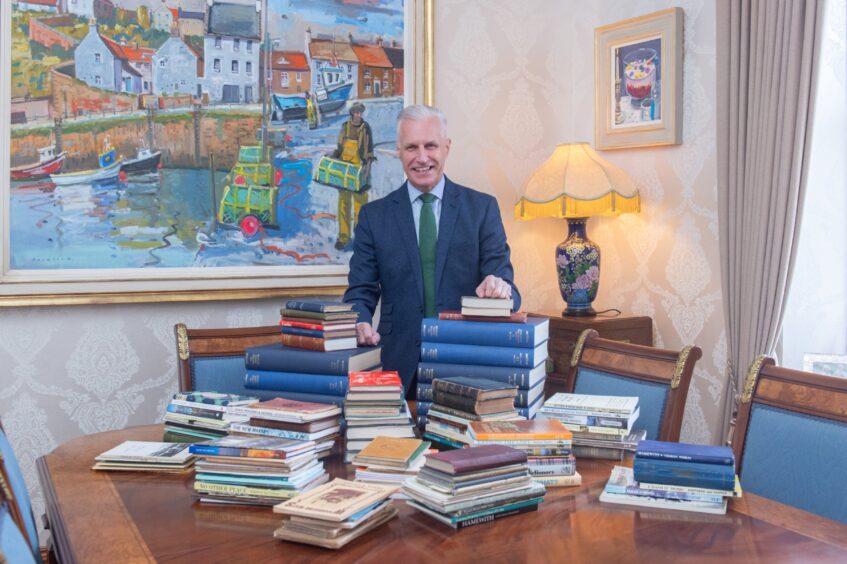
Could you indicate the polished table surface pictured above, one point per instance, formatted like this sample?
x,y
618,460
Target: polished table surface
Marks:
x,y
140,517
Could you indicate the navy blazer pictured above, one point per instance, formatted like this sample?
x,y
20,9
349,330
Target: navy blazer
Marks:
x,y
386,263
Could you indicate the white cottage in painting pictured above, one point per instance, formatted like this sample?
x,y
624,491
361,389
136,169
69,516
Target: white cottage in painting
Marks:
x,y
231,53
82,8
175,68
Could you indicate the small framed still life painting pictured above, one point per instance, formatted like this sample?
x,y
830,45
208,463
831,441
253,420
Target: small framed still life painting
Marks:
x,y
638,81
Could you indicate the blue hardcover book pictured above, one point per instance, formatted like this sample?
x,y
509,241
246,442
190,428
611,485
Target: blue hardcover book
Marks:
x,y
422,407
528,335
525,398
488,356
692,474
423,392
318,306
304,332
532,410
328,384
289,359
523,378
685,452
316,398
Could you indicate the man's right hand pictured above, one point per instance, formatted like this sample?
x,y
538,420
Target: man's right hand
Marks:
x,y
366,335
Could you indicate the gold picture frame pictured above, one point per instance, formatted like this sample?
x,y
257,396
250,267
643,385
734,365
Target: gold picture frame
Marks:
x,y
136,285
638,81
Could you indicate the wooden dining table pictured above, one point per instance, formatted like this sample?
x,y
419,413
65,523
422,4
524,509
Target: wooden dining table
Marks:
x,y
121,517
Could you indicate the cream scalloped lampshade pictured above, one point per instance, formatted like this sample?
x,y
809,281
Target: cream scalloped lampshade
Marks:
x,y
577,182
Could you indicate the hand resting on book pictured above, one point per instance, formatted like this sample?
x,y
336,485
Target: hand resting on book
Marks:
x,y
494,287
366,334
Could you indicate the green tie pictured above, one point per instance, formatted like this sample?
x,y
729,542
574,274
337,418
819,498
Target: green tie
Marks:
x,y
426,242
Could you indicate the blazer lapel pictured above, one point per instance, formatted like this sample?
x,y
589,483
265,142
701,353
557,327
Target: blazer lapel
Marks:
x,y
405,223
449,212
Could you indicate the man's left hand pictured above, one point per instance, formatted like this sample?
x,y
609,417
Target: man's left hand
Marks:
x,y
494,287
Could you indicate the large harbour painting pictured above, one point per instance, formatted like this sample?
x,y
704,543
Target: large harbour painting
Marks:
x,y
162,134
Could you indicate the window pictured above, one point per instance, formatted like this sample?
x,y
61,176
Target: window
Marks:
x,y
97,58
163,63
367,73
298,77
217,42
385,75
182,82
234,67
248,68
98,79
367,87
236,44
385,85
283,79
249,46
216,64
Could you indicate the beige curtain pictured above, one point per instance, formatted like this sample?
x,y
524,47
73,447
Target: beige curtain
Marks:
x,y
767,59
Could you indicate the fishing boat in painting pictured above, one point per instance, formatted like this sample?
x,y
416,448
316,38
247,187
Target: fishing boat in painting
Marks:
x,y
146,160
48,163
110,168
331,97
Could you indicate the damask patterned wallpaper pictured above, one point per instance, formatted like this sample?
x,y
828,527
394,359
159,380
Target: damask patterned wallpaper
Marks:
x,y
515,79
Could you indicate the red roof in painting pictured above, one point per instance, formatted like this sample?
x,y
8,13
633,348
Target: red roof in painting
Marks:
x,y
289,60
174,13
371,56
128,52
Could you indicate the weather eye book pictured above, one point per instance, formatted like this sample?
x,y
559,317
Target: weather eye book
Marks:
x,y
146,456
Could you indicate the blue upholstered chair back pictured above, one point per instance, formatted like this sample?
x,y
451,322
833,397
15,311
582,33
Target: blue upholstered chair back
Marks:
x,y
796,459
12,471
13,546
223,374
652,396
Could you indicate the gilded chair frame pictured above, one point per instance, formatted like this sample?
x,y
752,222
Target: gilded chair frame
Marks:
x,y
640,362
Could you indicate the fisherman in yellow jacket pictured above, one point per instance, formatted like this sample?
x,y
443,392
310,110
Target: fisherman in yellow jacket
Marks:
x,y
355,145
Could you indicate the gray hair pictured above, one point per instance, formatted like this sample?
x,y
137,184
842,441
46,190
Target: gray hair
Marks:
x,y
420,112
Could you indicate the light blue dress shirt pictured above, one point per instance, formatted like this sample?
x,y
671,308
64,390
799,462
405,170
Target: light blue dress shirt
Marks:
x,y
417,204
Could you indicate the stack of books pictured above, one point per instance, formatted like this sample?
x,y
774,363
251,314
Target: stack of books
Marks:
x,y
475,485
679,476
201,416
335,513
511,350
255,471
389,460
375,407
602,426
487,307
282,418
318,325
146,456
301,374
459,401
547,444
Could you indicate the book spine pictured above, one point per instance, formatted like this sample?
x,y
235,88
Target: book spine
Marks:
x,y
428,371
316,333
455,388
423,407
681,489
570,410
301,342
232,489
420,420
478,462
526,397
268,432
195,411
685,458
462,403
288,360
523,335
477,354
558,481
591,420
464,523
710,476
603,453
566,468
610,431
314,398
423,392
304,305
296,382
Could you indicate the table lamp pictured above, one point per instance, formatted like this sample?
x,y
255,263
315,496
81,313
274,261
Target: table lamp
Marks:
x,y
576,183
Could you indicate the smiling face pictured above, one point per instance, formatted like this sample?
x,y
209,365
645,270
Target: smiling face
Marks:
x,y
423,151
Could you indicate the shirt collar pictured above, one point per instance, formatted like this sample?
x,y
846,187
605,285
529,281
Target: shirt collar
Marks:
x,y
438,191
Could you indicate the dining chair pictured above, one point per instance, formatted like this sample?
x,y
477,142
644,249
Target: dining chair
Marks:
x,y
212,360
790,438
16,501
660,379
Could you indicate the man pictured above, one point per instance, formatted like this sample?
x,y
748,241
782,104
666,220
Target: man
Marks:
x,y
424,246
355,145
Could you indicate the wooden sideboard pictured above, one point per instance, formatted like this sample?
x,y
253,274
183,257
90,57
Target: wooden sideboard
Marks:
x,y
564,331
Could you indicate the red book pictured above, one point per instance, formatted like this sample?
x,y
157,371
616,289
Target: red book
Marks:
x,y
375,381
515,317
465,460
317,326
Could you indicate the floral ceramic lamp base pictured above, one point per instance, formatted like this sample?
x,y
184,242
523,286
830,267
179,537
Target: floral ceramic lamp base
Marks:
x,y
578,265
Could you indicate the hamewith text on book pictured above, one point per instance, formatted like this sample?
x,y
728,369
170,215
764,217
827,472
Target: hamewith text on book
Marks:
x,y
475,485
602,426
375,406
459,401
666,475
511,352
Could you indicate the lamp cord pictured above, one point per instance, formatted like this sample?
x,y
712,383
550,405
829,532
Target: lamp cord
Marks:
x,y
617,312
